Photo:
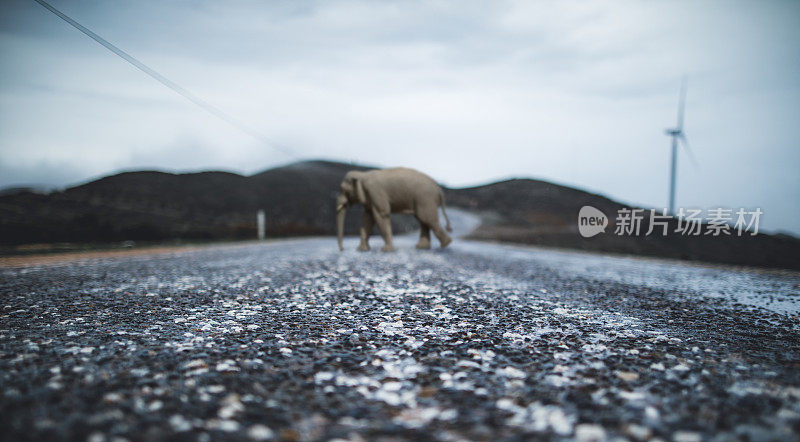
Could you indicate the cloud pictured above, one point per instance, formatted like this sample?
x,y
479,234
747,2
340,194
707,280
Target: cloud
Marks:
x,y
576,92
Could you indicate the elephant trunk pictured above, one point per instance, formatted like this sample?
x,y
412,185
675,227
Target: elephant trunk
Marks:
x,y
341,209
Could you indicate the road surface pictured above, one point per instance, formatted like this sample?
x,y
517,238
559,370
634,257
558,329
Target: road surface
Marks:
x,y
294,340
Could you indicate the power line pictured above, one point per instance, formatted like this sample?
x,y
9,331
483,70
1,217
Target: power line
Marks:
x,y
213,110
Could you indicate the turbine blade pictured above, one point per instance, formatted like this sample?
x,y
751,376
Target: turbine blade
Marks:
x,y
682,104
685,142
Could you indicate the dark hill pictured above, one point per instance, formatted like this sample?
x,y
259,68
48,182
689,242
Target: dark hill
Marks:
x,y
299,200
537,212
531,203
153,206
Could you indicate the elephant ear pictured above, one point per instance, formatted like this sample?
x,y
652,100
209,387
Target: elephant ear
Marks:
x,y
362,197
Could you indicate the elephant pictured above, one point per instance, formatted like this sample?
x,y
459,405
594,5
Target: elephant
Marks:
x,y
395,190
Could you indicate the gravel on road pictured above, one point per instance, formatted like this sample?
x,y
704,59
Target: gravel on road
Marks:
x,y
294,340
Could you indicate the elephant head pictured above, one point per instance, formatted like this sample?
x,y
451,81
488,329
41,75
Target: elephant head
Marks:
x,y
351,191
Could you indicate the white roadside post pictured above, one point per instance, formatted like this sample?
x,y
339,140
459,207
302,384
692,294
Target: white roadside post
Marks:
x,y
261,220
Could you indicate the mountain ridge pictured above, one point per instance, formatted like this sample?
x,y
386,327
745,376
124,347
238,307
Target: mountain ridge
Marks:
x,y
152,205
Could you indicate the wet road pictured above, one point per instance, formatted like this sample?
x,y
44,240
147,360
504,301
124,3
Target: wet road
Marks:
x,y
294,340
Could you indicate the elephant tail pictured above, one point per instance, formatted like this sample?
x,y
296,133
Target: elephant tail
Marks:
x,y
444,212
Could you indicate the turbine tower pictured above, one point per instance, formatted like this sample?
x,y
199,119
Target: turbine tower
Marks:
x,y
677,135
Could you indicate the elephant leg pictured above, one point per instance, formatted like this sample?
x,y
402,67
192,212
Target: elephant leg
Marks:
x,y
385,226
429,215
424,236
443,237
367,221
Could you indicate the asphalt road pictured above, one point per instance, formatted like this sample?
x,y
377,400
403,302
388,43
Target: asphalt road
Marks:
x,y
295,340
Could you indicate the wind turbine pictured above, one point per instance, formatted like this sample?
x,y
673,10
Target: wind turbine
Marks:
x,y
677,136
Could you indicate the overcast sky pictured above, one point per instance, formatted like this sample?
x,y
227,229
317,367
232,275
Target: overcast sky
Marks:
x,y
469,92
